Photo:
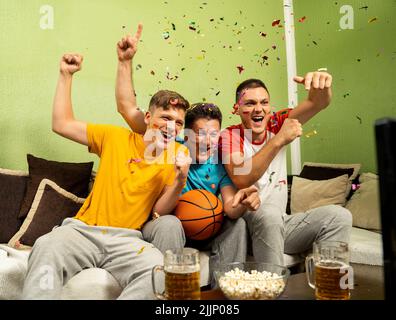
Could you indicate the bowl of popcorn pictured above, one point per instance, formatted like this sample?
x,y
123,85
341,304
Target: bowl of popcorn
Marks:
x,y
251,280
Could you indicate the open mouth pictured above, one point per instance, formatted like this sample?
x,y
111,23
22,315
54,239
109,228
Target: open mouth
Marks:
x,y
258,120
167,136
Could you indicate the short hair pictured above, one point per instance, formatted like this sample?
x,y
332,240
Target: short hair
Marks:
x,y
249,84
202,111
166,99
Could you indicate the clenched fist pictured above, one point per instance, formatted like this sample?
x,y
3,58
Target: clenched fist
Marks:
x,y
71,63
291,129
127,46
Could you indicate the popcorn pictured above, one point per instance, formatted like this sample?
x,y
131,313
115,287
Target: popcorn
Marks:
x,y
241,285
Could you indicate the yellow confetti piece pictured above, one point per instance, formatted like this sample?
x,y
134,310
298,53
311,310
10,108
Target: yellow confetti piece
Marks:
x,y
104,231
141,250
372,19
310,134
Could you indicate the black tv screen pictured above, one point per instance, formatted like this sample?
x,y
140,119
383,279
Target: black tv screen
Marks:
x,y
385,136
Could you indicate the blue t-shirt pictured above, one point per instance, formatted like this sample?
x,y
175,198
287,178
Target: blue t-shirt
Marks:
x,y
208,176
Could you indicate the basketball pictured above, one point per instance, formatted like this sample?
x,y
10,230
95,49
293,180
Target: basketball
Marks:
x,y
201,214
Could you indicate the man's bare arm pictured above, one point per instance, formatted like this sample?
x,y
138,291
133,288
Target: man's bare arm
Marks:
x,y
255,167
63,121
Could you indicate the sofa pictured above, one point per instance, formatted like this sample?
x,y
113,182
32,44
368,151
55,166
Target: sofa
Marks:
x,y
32,203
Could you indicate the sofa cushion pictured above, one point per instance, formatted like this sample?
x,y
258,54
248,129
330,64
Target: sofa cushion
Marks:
x,y
73,177
366,247
325,171
12,191
51,205
309,194
364,203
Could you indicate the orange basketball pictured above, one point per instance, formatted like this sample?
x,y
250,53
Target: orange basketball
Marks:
x,y
201,214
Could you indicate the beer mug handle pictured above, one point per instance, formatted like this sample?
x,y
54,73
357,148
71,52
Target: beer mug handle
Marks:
x,y
309,269
155,270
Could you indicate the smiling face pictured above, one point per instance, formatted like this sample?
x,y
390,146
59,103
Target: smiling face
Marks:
x,y
204,138
165,125
254,110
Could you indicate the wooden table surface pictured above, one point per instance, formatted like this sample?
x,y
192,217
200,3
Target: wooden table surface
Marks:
x,y
368,285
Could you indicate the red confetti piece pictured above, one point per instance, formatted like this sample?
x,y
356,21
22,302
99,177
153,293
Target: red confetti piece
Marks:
x,y
240,69
302,19
275,23
213,186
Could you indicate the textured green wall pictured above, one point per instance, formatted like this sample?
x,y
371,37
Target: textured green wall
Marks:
x,y
205,62
363,63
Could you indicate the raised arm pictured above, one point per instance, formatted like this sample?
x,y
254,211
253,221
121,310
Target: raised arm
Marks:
x,y
63,121
318,85
124,90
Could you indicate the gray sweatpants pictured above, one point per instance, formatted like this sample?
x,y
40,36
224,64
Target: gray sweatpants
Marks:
x,y
274,232
229,245
59,255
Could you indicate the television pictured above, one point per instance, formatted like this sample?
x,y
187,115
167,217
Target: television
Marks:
x,y
385,137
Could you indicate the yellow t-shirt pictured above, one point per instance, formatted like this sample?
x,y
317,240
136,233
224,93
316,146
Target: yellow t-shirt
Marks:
x,y
126,185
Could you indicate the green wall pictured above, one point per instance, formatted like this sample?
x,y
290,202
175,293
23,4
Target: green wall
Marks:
x,y
363,90
205,62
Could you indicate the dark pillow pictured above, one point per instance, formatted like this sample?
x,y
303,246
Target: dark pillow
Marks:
x,y
51,205
73,177
321,173
12,191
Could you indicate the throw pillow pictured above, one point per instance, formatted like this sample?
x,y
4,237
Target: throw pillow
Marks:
x,y
364,204
324,171
12,191
308,194
73,177
51,205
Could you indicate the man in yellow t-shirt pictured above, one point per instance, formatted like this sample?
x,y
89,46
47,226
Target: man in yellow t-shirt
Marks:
x,y
137,175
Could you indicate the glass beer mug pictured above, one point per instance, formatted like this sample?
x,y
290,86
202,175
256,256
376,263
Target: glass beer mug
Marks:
x,y
182,275
328,270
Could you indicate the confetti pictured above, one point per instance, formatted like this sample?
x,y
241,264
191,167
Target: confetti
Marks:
x,y
365,7
346,95
263,34
217,93
275,23
314,42
139,66
282,182
104,231
360,119
355,186
173,26
310,134
152,72
213,186
192,26
141,250
274,47
240,69
302,19
165,35
373,19
358,60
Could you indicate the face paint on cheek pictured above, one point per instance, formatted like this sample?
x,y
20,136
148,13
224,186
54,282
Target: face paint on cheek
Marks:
x,y
245,112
